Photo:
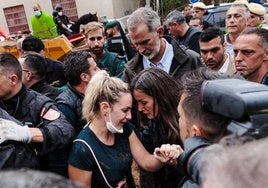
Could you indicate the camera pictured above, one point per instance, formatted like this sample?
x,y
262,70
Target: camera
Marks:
x,y
244,102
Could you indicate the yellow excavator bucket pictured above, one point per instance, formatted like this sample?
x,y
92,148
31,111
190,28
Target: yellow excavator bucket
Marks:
x,y
10,47
57,48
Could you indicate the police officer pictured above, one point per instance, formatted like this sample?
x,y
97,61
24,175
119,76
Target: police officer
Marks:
x,y
47,129
62,22
114,42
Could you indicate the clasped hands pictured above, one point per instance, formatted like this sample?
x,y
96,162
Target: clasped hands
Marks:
x,y
168,154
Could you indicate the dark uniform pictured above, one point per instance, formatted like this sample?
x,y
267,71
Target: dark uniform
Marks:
x,y
14,154
59,20
5,115
45,89
112,63
115,44
36,110
69,103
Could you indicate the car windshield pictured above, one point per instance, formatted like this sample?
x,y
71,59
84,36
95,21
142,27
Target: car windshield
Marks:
x,y
215,15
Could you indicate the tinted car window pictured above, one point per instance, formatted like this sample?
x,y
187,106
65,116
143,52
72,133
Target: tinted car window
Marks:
x,y
216,15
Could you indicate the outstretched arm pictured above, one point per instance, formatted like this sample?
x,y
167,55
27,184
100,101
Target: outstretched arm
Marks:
x,y
143,158
166,154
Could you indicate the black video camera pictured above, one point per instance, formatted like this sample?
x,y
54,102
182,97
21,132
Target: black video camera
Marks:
x,y
245,102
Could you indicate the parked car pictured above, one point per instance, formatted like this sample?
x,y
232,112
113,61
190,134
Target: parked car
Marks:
x,y
265,5
215,14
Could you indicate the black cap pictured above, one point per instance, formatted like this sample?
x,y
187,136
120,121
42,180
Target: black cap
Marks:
x,y
34,44
58,7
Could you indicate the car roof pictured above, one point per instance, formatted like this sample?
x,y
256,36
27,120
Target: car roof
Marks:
x,y
217,8
218,5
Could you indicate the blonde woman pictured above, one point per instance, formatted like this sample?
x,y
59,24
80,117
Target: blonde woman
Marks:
x,y
107,109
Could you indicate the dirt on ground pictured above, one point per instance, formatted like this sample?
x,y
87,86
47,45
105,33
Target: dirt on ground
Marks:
x,y
136,174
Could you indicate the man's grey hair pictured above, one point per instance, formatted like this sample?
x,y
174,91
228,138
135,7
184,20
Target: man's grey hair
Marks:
x,y
243,6
175,16
143,15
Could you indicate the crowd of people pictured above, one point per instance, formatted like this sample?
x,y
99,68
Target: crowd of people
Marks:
x,y
89,117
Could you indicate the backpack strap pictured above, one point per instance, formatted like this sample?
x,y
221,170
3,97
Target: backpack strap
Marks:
x,y
83,141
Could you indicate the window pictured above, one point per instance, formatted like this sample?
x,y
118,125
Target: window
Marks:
x,y
16,19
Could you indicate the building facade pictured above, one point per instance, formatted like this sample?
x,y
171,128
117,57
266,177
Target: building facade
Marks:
x,y
15,15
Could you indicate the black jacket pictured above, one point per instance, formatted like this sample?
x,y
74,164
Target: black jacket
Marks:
x,y
45,89
55,73
184,60
191,39
36,110
15,154
27,106
70,103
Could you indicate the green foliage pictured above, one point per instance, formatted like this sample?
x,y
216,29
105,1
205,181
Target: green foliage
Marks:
x,y
168,5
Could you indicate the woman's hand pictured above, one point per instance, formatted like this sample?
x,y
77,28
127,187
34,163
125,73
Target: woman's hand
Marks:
x,y
168,154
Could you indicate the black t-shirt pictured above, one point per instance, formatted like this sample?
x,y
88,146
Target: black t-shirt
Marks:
x,y
114,160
